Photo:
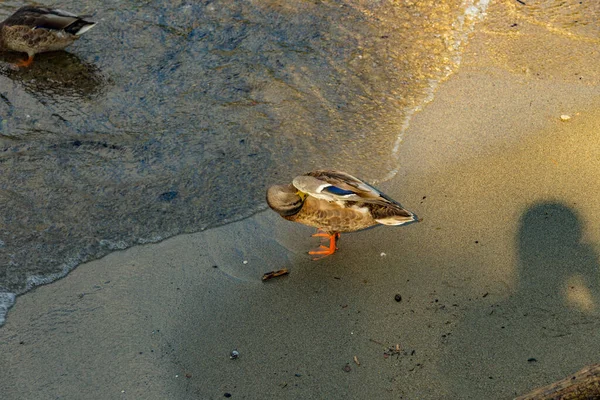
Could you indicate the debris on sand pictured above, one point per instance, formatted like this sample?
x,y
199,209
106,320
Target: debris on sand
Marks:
x,y
274,274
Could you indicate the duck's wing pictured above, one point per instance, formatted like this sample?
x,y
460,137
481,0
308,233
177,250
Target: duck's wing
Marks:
x,y
340,186
48,18
343,190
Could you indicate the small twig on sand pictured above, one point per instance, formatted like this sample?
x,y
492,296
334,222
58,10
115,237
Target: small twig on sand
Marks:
x,y
274,274
377,342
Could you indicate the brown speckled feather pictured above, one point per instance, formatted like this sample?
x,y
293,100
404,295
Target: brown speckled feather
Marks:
x,y
34,30
32,41
330,217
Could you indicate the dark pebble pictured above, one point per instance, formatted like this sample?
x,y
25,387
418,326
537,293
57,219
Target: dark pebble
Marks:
x,y
347,368
227,395
168,196
531,360
398,298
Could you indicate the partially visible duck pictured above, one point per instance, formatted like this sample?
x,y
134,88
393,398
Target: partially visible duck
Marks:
x,y
335,202
35,30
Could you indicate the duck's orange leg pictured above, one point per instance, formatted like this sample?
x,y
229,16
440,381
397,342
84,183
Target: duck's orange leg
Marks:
x,y
324,251
25,63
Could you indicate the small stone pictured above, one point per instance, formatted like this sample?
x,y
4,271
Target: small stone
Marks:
x,y
347,368
565,117
245,261
531,360
234,354
398,298
228,395
383,254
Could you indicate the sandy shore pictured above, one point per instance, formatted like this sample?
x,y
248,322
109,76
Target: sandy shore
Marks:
x,y
499,285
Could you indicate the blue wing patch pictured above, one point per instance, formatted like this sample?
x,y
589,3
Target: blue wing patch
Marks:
x,y
337,191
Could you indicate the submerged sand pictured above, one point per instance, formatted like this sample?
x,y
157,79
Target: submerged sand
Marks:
x,y
499,285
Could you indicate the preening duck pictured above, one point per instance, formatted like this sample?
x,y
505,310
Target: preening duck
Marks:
x,y
335,202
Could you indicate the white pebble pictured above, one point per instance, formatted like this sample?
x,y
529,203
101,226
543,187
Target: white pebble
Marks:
x,y
565,117
383,254
245,261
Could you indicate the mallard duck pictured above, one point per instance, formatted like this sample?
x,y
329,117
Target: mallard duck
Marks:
x,y
35,30
335,202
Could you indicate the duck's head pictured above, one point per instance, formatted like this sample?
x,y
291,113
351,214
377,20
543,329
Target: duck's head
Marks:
x,y
285,199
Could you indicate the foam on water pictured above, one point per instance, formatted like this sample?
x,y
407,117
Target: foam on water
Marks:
x,y
465,23
7,300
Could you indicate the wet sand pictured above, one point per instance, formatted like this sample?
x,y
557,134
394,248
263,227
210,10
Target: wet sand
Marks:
x,y
499,284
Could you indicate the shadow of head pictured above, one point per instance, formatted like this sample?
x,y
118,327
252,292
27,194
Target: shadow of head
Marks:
x,y
554,263
546,226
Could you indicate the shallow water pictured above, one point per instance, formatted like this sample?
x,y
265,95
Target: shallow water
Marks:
x,y
172,118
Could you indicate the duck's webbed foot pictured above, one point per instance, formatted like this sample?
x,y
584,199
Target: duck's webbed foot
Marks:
x,y
324,251
24,63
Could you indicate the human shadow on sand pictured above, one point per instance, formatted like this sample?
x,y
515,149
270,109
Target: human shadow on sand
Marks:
x,y
556,268
549,327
